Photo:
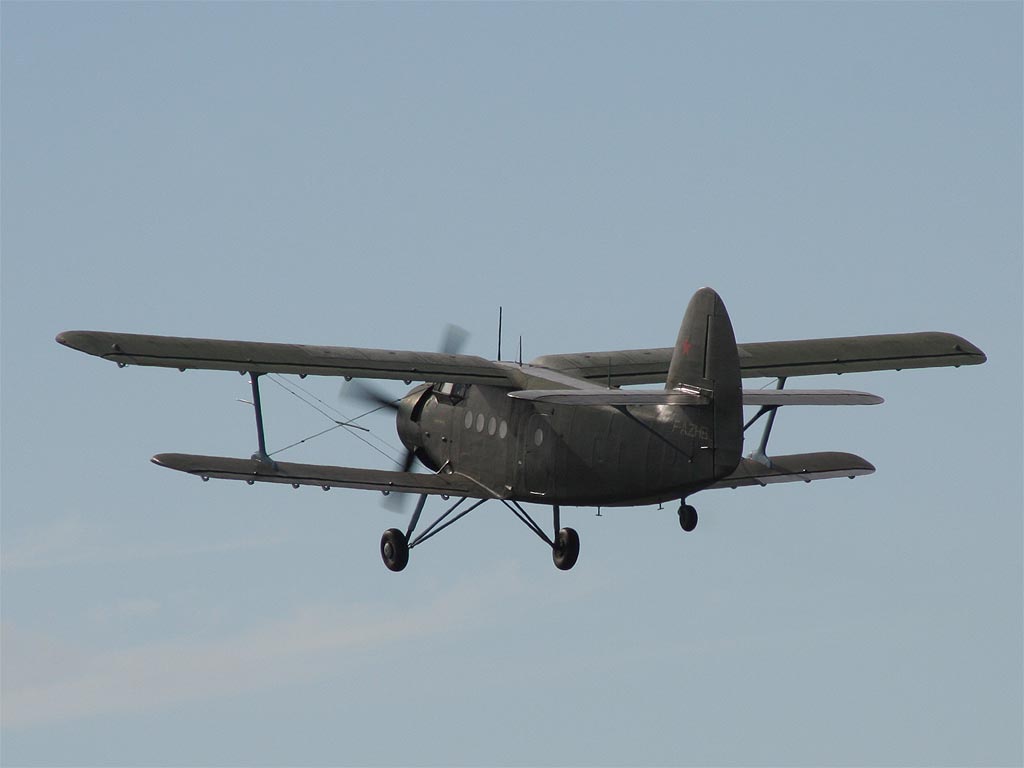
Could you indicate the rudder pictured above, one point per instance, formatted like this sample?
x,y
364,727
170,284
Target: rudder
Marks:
x,y
705,356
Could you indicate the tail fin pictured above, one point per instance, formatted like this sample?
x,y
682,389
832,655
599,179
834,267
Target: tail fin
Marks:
x,y
705,356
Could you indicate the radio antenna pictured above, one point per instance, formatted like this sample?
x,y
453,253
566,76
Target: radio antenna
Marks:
x,y
499,333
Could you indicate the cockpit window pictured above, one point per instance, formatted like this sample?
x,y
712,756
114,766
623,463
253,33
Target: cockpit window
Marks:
x,y
454,393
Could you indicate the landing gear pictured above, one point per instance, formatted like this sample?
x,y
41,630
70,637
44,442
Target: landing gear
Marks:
x,y
395,545
687,517
566,549
394,549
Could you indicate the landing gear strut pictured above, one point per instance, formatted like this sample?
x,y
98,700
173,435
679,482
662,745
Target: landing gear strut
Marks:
x,y
395,545
687,517
565,546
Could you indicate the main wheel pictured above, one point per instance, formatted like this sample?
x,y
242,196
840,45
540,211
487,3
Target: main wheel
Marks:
x,y
566,550
687,517
394,549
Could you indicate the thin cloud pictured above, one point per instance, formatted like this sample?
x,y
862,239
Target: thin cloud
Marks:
x,y
69,542
51,683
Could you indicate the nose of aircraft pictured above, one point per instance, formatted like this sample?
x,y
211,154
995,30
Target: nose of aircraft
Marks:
x,y
410,409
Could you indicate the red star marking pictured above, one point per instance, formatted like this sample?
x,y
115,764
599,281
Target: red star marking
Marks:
x,y
687,346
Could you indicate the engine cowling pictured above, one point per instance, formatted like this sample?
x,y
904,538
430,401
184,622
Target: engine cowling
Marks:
x,y
410,411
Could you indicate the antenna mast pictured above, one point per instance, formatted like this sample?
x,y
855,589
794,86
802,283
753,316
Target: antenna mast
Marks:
x,y
499,333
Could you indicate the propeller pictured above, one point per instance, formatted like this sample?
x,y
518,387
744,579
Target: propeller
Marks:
x,y
368,394
453,341
357,389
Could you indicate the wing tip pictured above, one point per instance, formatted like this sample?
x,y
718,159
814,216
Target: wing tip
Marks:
x,y
73,339
178,461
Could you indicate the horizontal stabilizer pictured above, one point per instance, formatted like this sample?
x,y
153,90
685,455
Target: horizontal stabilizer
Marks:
x,y
253,470
796,467
777,397
693,396
615,397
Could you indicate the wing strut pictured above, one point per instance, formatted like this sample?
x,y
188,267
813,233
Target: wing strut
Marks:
x,y
261,440
761,454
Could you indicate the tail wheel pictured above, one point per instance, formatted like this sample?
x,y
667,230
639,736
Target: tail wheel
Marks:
x,y
394,549
687,517
566,549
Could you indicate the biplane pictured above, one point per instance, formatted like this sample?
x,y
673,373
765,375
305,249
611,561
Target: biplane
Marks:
x,y
562,430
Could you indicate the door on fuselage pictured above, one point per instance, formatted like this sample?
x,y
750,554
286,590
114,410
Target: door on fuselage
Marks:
x,y
536,444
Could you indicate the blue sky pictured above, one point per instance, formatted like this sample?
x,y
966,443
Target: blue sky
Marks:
x,y
362,175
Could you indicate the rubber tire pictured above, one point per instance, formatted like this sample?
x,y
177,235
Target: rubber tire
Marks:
x,y
394,549
687,517
566,551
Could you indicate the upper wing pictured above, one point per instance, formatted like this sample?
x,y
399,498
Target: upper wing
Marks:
x,y
264,357
252,470
637,366
850,354
782,358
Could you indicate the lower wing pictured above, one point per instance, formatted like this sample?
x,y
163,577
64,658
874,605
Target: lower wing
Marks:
x,y
796,467
253,471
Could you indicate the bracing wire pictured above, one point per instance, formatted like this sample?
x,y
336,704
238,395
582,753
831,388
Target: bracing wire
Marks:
x,y
277,380
348,424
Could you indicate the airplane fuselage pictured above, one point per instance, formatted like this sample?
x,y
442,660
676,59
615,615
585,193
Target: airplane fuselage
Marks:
x,y
584,455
